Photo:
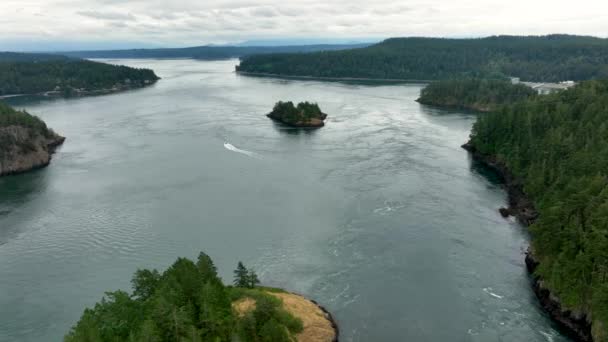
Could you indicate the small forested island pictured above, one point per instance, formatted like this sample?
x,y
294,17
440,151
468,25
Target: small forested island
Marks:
x,y
551,58
483,95
26,142
553,154
305,114
54,75
189,302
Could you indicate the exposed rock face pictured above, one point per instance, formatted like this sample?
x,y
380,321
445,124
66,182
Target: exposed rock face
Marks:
x,y
520,205
575,324
23,149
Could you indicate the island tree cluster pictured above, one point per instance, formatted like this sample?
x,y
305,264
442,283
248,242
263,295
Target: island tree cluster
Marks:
x,y
557,146
37,73
187,302
476,94
305,114
545,58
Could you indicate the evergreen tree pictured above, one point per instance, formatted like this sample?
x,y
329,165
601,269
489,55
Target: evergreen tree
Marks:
x,y
241,276
252,279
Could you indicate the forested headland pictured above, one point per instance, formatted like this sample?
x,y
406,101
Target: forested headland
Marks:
x,y
26,142
189,302
305,114
550,58
63,76
556,147
482,95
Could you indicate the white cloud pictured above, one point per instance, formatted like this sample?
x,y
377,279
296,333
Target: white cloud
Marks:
x,y
188,22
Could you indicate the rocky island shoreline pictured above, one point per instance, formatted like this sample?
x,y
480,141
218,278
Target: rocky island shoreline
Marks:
x,y
26,143
521,207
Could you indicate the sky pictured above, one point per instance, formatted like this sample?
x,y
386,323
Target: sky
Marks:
x,y
101,24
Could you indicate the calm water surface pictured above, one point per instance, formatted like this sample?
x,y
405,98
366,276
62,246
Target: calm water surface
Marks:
x,y
380,215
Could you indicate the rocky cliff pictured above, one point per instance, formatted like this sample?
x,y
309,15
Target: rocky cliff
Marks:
x,y
26,143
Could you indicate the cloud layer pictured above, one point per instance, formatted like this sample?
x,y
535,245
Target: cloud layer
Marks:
x,y
191,22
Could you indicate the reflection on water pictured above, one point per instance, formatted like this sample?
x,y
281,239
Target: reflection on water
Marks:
x,y
18,195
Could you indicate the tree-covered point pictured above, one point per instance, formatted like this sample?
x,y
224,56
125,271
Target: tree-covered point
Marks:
x,y
39,73
557,145
476,94
305,114
12,117
187,302
532,58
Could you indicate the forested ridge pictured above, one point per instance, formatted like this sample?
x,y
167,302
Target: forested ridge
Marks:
x,y
187,302
38,73
532,58
557,146
476,94
209,52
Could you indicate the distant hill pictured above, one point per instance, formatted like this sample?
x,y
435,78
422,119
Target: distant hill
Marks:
x,y
532,58
209,52
29,73
30,57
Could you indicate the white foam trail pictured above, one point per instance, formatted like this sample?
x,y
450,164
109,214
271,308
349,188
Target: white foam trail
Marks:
x,y
488,290
548,336
232,148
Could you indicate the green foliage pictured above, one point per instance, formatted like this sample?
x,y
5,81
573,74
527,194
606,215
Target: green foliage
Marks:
x,y
187,302
289,113
533,58
244,277
37,73
269,321
557,145
12,117
476,94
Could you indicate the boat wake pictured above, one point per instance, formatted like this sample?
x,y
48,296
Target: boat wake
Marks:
x,y
233,148
488,290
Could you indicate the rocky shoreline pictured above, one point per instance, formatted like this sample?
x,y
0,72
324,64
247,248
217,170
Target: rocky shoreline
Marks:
x,y
574,324
330,318
25,150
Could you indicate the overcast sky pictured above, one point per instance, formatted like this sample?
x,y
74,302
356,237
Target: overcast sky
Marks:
x,y
27,24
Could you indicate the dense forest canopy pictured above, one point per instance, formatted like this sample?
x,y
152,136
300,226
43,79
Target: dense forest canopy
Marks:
x,y
12,117
476,94
532,58
209,52
305,114
37,73
557,145
187,302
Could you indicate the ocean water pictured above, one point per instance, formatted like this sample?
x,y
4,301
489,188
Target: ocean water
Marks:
x,y
380,215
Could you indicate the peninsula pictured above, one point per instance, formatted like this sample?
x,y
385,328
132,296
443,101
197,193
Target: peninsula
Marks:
x,y
55,75
189,302
481,95
305,114
26,143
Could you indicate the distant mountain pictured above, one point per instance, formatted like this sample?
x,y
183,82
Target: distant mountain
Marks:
x,y
532,58
209,52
